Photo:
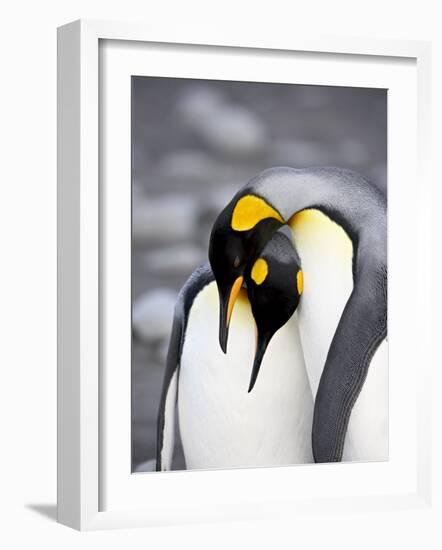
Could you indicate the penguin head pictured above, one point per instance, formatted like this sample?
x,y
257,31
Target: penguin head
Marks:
x,y
274,286
239,234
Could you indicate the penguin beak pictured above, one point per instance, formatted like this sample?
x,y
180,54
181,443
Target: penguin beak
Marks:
x,y
227,302
261,346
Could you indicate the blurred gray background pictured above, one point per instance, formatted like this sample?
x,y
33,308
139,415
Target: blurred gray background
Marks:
x,y
194,143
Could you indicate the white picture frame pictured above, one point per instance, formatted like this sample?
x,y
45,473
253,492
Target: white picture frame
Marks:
x,y
82,396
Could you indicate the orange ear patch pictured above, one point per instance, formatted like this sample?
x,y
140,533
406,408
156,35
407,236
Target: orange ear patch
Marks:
x,y
260,270
250,210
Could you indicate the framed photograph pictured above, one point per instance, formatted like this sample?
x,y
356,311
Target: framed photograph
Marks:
x,y
243,272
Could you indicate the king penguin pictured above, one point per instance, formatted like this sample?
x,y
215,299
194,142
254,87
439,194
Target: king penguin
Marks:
x,y
227,416
338,222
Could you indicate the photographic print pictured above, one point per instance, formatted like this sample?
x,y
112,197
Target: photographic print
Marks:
x,y
259,274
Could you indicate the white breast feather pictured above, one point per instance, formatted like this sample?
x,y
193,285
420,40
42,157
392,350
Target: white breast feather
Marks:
x,y
221,424
367,434
326,254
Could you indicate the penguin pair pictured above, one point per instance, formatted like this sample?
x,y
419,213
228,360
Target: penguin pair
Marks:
x,y
227,417
332,351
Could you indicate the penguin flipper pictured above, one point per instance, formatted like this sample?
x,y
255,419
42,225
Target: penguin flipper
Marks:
x,y
201,277
362,328
166,412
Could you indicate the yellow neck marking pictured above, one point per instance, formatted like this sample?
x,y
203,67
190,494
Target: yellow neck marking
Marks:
x,y
260,270
300,282
315,230
249,211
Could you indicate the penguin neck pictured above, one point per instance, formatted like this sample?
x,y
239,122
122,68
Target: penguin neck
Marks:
x,y
326,253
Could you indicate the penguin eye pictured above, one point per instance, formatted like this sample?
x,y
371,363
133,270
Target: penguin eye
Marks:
x,y
236,262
